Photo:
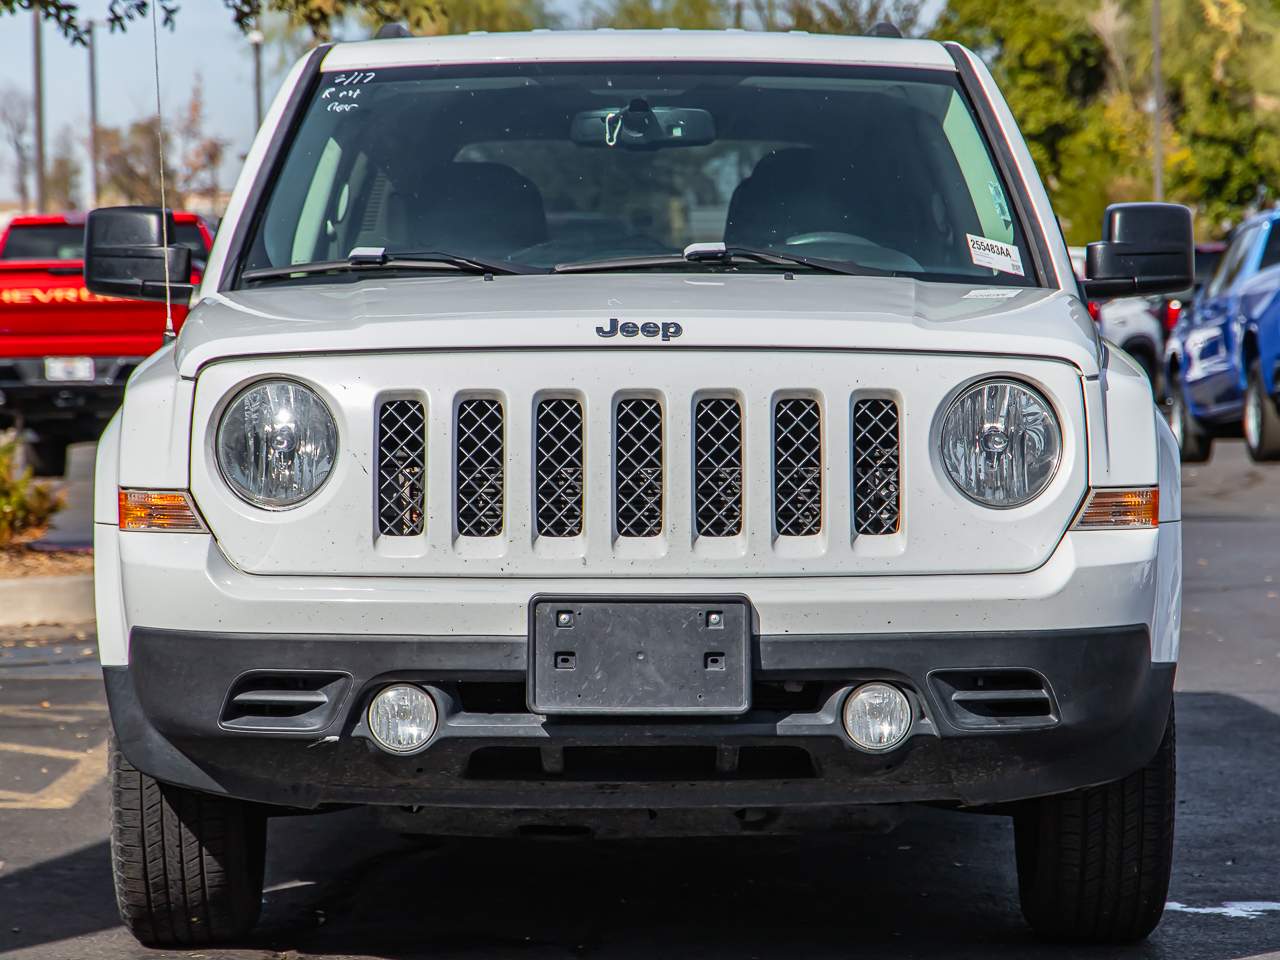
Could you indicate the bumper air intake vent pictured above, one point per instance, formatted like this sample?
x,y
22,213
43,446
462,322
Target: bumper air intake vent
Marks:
x,y
995,699
293,702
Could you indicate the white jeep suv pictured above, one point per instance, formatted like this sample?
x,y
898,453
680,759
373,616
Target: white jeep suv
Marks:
x,y
639,433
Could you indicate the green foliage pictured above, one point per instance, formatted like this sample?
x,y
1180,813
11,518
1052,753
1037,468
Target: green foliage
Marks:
x,y
654,14
25,504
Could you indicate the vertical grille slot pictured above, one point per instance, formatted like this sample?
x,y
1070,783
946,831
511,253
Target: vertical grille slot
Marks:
x,y
717,467
797,467
637,440
876,467
558,468
402,463
480,456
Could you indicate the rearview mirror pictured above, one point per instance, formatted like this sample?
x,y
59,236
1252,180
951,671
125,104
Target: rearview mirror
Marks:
x,y
1145,248
125,255
640,126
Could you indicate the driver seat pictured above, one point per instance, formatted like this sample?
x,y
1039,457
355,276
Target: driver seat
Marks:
x,y
792,191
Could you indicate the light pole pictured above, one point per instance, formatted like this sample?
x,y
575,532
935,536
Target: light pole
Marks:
x,y
93,114
255,40
38,58
1157,106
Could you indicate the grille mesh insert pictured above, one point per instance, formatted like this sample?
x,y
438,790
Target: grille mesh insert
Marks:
x,y
797,468
717,468
558,456
480,455
402,463
637,433
876,471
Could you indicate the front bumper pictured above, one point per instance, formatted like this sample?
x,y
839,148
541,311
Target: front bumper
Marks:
x,y
1107,704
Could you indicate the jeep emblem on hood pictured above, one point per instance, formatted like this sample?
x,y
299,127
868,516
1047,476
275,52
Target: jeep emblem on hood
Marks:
x,y
667,331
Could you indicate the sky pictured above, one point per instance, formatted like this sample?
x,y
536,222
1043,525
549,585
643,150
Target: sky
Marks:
x,y
204,44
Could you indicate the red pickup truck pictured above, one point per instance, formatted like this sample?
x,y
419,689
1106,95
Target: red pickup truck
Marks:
x,y
65,353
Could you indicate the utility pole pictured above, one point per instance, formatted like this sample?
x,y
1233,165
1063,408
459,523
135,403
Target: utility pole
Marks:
x,y
38,52
93,115
1157,106
255,40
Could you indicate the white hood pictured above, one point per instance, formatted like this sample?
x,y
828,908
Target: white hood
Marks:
x,y
714,311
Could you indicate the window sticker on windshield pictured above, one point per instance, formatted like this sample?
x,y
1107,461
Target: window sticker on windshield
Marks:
x,y
1000,205
994,254
992,293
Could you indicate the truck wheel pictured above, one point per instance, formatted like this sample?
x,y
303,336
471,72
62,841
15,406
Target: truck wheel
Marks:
x,y
1261,419
1093,864
1195,443
187,866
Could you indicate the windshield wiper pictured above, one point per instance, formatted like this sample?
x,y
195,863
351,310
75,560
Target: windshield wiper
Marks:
x,y
720,253
377,258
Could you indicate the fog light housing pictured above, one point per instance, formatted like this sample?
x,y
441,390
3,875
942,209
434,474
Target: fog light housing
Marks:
x,y
877,716
402,718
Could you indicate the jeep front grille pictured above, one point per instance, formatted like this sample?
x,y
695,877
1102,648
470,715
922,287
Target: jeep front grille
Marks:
x,y
402,465
797,467
558,468
637,447
790,483
876,471
717,468
480,451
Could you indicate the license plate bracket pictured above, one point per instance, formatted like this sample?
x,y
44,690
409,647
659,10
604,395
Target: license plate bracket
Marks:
x,y
591,655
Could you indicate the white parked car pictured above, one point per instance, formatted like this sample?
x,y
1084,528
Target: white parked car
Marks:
x,y
1132,325
639,433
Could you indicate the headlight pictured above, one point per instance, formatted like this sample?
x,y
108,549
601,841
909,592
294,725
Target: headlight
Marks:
x,y
1001,443
276,443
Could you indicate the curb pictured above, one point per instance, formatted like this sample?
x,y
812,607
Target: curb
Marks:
x,y
41,600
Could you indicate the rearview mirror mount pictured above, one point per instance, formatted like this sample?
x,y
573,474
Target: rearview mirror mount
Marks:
x,y
125,255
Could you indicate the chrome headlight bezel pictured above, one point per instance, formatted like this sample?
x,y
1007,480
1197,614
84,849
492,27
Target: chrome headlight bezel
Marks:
x,y
224,411
957,397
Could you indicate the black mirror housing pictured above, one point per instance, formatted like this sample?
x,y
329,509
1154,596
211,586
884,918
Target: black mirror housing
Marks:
x,y
1145,248
125,255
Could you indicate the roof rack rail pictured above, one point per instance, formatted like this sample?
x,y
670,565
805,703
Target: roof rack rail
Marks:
x,y
885,29
392,31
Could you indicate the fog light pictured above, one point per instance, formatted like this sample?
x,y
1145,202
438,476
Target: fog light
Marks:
x,y
877,716
402,718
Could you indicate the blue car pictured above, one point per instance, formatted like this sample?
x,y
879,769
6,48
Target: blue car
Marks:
x,y
1223,356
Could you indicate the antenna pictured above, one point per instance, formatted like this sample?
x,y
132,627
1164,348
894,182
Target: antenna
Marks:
x,y
169,334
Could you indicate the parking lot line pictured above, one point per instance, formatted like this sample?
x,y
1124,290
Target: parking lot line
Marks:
x,y
64,792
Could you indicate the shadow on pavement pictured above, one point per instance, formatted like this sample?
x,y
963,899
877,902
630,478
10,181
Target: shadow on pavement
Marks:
x,y
940,885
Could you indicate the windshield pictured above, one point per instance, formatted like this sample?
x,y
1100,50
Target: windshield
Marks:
x,y
540,165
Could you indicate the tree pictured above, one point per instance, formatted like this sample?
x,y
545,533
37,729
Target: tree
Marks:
x,y
847,17
62,178
15,128
130,171
198,155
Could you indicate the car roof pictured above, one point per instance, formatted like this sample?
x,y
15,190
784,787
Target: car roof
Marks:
x,y
660,45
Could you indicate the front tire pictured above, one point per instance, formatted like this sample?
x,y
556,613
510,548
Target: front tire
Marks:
x,y
188,867
1195,442
1094,864
1261,419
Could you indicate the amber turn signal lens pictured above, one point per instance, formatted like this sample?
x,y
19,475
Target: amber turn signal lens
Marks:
x,y
169,510
1121,508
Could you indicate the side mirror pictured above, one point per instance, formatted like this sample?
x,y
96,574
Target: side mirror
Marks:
x,y
125,255
1145,248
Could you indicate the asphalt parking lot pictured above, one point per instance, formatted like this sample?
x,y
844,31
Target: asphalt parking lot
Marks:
x,y
940,885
